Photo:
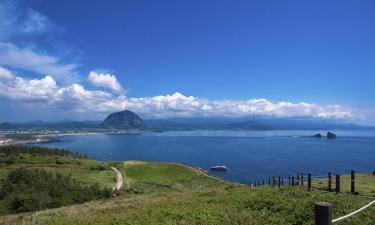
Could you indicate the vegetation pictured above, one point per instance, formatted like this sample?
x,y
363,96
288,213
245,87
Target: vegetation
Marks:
x,y
364,184
168,193
35,178
154,193
26,190
152,177
18,149
85,171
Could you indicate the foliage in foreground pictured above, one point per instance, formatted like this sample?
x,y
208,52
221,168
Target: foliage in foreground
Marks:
x,y
167,193
231,205
26,190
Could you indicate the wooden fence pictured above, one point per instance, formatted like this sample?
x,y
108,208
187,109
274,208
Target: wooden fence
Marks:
x,y
323,210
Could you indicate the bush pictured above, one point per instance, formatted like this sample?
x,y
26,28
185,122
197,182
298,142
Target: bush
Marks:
x,y
26,190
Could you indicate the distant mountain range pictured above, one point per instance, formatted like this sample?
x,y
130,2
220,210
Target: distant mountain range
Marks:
x,y
128,120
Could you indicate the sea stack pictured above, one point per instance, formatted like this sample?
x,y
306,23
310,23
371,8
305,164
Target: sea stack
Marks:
x,y
331,135
317,136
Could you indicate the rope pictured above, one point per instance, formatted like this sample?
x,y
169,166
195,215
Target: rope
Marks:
x,y
353,213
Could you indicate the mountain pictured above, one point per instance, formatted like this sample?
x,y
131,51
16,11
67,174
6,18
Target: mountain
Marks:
x,y
123,120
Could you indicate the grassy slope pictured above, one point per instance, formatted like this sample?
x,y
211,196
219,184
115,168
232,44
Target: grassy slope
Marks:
x,y
84,170
167,193
364,185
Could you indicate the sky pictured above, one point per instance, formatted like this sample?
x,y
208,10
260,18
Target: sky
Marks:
x,y
164,58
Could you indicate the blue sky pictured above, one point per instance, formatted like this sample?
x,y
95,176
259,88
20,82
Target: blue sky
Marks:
x,y
187,58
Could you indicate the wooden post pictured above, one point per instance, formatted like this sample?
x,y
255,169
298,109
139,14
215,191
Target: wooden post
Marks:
x,y
273,181
309,182
329,182
337,184
263,182
269,181
323,213
352,182
302,179
292,180
289,180
297,179
279,183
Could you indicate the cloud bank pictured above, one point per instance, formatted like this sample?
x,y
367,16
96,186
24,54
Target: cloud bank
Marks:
x,y
77,98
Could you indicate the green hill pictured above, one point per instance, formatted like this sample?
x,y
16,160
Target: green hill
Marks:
x,y
169,193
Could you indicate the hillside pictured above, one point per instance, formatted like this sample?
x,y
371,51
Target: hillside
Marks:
x,y
168,193
124,120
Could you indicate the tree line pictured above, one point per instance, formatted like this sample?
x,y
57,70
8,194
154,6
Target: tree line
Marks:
x,y
37,150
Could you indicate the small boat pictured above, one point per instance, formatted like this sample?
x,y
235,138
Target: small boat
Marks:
x,y
219,168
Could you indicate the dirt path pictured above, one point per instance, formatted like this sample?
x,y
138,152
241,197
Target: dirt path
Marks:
x,y
119,179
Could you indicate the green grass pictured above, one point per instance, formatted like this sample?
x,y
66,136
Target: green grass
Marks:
x,y
151,177
364,185
86,171
169,193
230,205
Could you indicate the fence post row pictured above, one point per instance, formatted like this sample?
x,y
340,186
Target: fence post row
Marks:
x,y
323,213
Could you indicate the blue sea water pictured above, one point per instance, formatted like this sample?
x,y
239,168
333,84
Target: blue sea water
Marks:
x,y
249,155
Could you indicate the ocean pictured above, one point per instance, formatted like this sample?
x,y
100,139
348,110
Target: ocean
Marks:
x,y
249,155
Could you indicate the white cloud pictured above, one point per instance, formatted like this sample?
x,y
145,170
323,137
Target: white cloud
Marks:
x,y
105,80
77,98
28,59
178,105
20,24
18,20
5,74
28,89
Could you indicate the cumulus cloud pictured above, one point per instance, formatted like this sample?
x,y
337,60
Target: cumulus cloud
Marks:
x,y
105,80
28,89
76,97
179,105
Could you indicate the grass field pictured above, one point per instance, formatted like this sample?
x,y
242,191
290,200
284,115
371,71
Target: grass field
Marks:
x,y
364,185
85,171
168,193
